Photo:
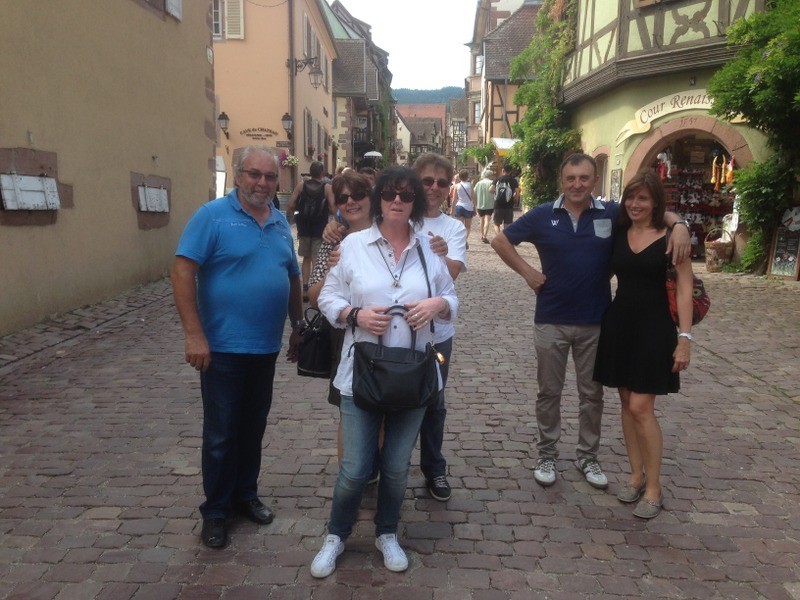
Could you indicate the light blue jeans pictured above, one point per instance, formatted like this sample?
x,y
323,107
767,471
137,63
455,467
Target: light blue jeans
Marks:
x,y
360,430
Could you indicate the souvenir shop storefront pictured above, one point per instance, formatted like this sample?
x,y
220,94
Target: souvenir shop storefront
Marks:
x,y
664,125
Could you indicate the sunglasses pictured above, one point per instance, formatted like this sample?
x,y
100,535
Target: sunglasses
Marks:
x,y
390,195
429,181
257,175
343,198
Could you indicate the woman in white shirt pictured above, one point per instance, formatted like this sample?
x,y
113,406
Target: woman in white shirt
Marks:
x,y
380,267
464,208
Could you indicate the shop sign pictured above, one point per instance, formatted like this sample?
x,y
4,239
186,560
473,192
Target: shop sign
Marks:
x,y
258,133
644,116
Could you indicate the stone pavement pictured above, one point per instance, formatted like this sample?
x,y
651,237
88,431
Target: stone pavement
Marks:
x,y
99,479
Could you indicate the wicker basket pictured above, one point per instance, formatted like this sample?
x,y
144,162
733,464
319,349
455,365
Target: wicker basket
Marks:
x,y
718,251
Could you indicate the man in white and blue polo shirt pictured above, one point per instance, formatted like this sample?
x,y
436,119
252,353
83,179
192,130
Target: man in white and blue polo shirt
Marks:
x,y
235,278
573,236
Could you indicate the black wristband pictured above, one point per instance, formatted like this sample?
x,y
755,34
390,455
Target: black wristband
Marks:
x,y
352,317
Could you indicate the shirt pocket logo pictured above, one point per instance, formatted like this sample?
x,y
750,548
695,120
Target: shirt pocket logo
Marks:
x,y
602,228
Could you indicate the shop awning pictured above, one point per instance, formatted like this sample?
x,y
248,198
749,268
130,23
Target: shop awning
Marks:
x,y
504,145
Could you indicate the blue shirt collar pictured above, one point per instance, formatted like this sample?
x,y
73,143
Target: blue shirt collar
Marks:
x,y
596,204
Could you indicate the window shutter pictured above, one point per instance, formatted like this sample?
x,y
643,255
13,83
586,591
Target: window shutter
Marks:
x,y
306,35
234,19
174,8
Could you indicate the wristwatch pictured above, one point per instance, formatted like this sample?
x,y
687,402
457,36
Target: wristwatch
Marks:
x,y
688,336
298,324
681,222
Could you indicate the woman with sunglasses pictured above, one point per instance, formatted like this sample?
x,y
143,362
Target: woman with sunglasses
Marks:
x,y
381,267
351,195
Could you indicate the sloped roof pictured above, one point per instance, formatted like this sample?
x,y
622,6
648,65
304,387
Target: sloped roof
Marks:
x,y
423,130
458,108
349,68
508,40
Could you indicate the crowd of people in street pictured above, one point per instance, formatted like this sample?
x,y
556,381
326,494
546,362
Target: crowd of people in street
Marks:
x,y
381,254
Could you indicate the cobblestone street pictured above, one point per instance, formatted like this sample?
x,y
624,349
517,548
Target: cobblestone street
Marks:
x,y
100,422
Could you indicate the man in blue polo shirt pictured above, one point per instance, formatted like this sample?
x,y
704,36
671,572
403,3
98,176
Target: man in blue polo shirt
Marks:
x,y
573,236
234,279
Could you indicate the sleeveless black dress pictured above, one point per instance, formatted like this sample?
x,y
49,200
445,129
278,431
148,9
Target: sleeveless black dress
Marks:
x,y
638,337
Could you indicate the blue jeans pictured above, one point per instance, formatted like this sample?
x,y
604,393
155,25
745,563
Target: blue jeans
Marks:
x,y
431,434
237,395
360,444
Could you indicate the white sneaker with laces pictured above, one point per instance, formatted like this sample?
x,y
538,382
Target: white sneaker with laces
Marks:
x,y
393,556
592,471
324,562
545,470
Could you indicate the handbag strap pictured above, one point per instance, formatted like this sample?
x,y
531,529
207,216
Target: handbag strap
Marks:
x,y
425,270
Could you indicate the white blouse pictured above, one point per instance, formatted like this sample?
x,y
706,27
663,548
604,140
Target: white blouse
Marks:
x,y
365,276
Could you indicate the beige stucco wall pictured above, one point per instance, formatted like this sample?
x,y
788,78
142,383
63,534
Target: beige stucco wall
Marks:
x,y
252,82
111,91
602,118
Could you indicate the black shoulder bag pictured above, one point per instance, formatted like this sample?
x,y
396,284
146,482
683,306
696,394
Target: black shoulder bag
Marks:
x,y
314,354
387,379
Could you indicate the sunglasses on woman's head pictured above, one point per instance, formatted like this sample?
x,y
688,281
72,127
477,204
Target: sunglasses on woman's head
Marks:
x,y
390,195
343,198
429,181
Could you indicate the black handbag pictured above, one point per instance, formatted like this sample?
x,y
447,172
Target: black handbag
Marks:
x,y
387,379
314,355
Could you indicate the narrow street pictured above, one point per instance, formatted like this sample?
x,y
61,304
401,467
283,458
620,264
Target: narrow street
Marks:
x,y
100,431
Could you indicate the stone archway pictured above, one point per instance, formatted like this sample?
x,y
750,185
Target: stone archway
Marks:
x,y
661,136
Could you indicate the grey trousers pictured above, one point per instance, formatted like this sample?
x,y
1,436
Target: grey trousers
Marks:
x,y
553,343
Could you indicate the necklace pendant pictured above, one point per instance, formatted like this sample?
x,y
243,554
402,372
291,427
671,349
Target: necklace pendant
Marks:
x,y
396,284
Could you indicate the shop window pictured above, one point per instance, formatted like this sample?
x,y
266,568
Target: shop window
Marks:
x,y
25,192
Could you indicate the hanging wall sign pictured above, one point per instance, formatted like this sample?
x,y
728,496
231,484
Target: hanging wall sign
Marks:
x,y
644,116
258,133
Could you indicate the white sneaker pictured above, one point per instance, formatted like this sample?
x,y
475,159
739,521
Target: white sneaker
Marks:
x,y
393,556
545,470
324,562
592,471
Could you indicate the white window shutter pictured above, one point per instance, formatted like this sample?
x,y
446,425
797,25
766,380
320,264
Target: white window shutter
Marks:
x,y
234,19
174,8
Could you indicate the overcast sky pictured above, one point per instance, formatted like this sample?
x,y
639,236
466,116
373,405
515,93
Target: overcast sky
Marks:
x,y
424,38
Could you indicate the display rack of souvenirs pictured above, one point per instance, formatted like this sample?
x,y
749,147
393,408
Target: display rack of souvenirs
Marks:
x,y
697,193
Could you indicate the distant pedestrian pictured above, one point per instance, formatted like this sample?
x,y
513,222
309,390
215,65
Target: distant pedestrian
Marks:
x,y
573,236
484,202
464,206
370,174
506,195
312,200
234,279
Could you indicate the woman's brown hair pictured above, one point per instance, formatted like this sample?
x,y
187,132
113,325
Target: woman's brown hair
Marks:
x,y
652,183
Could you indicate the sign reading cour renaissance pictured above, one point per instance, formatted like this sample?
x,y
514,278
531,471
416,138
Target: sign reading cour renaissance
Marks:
x,y
688,100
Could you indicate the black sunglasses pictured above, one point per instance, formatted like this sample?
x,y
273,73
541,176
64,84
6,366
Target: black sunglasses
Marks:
x,y
343,198
390,195
257,175
429,181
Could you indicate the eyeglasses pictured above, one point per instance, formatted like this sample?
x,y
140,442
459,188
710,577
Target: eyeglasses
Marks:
x,y
429,181
390,195
257,175
343,198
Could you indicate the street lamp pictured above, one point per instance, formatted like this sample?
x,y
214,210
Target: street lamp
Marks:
x,y
223,121
288,124
315,75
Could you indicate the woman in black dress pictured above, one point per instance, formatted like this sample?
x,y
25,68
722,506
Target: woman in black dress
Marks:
x,y
640,352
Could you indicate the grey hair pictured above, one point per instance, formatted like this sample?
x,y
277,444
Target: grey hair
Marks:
x,y
248,150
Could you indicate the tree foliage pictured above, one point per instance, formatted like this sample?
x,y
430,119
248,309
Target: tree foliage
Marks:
x,y
762,84
483,155
545,137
